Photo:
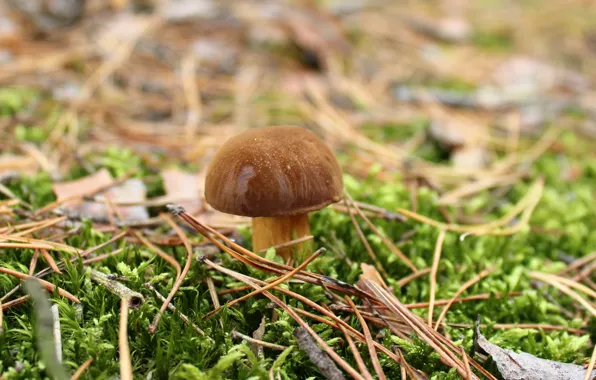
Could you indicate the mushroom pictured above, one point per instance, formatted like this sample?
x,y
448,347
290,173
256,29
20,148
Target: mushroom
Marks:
x,y
276,175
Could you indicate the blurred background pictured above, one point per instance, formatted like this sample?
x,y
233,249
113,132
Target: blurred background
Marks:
x,y
384,82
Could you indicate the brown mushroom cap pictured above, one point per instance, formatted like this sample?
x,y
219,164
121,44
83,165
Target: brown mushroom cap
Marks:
x,y
273,171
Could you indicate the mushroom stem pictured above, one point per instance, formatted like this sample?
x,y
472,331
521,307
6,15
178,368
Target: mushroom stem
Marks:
x,y
271,231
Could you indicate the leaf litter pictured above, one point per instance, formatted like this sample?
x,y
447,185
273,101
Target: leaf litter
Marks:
x,y
166,88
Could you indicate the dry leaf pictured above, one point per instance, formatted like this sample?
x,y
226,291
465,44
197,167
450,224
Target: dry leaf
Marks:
x,y
183,188
131,191
523,366
451,29
186,10
370,273
470,157
527,76
453,133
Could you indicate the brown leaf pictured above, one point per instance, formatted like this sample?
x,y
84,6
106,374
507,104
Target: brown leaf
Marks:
x,y
183,189
131,191
370,273
470,157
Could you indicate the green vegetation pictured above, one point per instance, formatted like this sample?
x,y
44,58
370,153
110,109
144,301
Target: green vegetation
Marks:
x,y
90,330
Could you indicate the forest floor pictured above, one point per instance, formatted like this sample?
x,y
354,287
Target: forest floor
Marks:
x,y
466,134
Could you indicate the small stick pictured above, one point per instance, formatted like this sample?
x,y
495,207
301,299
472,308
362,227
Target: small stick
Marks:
x,y
238,335
171,307
124,350
317,356
48,286
462,289
81,370
433,275
134,300
1,318
56,331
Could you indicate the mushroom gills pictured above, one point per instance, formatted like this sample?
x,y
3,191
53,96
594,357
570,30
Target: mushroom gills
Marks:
x,y
273,231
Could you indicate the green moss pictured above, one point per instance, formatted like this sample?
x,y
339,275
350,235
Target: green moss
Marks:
x,y
493,40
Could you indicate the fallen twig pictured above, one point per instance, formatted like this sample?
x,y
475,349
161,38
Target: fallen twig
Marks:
x,y
133,299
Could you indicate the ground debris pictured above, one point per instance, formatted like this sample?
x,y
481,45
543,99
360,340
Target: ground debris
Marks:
x,y
131,191
523,366
317,356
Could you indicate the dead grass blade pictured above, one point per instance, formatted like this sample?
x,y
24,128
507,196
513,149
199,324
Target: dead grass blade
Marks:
x,y
369,339
180,278
357,357
591,365
50,260
462,289
39,244
419,273
387,242
371,252
168,258
123,348
81,370
424,331
192,95
342,363
433,275
525,206
46,285
578,263
173,308
553,281
273,284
